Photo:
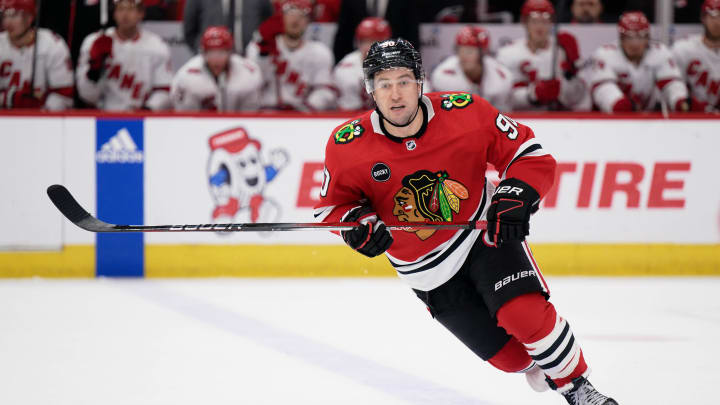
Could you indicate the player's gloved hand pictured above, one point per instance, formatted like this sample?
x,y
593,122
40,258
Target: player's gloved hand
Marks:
x,y
508,217
572,54
269,30
23,98
623,105
545,91
372,237
100,50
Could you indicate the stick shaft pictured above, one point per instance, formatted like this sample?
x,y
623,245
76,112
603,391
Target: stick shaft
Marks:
x,y
72,210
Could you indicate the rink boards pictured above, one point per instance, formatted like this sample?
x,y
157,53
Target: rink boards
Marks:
x,y
632,196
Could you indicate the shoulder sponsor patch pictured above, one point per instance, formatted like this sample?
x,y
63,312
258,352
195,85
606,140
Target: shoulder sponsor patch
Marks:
x,y
456,100
349,132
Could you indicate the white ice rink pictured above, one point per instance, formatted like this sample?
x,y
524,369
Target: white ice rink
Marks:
x,y
333,341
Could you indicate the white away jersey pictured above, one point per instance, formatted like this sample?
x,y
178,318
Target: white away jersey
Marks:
x,y
194,88
53,69
527,67
613,77
136,76
348,78
700,67
300,79
495,86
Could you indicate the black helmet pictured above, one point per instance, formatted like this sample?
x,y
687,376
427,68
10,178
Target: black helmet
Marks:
x,y
389,54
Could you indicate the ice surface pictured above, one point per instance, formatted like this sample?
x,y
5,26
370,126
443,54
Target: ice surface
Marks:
x,y
332,341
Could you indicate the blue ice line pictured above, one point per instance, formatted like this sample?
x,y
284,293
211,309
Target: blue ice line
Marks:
x,y
390,381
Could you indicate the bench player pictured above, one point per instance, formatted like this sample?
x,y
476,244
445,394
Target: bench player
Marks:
x,y
420,158
473,70
125,67
52,86
217,79
637,74
699,60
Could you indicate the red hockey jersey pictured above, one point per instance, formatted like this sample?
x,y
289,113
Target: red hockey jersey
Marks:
x,y
437,175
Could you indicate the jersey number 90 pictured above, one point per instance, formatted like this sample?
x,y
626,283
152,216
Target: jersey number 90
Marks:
x,y
507,125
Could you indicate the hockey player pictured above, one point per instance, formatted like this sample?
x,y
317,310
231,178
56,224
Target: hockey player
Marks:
x,y
297,73
473,70
125,68
538,84
52,86
699,60
348,76
625,77
217,79
416,158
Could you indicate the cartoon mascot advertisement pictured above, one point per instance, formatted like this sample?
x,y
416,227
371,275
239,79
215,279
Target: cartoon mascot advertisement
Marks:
x,y
238,173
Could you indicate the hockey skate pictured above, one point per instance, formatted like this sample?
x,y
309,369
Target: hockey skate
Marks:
x,y
583,393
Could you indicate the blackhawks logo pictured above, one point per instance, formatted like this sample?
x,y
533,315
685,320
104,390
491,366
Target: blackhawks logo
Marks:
x,y
457,100
428,197
349,132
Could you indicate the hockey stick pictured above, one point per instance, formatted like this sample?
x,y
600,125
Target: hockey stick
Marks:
x,y
33,68
555,106
71,209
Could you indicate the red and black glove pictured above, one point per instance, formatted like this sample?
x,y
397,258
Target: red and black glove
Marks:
x,y
508,217
372,237
545,91
100,50
22,98
269,30
572,54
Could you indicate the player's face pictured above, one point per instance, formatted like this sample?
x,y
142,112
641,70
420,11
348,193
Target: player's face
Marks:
x,y
396,94
586,11
217,60
296,23
711,22
634,46
127,16
16,23
470,58
538,26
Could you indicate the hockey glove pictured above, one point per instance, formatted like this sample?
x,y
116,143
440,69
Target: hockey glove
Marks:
x,y
372,237
508,217
572,54
269,30
545,91
100,50
22,98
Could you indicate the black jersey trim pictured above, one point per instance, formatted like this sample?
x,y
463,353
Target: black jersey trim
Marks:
x,y
530,149
447,251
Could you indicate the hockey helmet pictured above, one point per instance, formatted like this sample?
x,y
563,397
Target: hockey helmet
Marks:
x,y
542,7
634,23
473,36
391,54
304,6
711,7
373,29
27,6
217,37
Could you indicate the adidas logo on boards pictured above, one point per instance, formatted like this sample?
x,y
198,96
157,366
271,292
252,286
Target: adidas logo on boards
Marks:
x,y
120,148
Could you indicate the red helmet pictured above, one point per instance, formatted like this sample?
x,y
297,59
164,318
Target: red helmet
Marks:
x,y
633,22
711,7
373,29
473,36
537,6
217,37
305,6
27,6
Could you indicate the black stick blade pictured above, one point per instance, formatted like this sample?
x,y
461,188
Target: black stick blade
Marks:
x,y
66,203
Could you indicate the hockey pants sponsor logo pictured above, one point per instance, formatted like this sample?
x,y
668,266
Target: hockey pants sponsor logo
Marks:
x,y
514,277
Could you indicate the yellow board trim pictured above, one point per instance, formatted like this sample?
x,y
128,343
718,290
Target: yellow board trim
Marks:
x,y
339,261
